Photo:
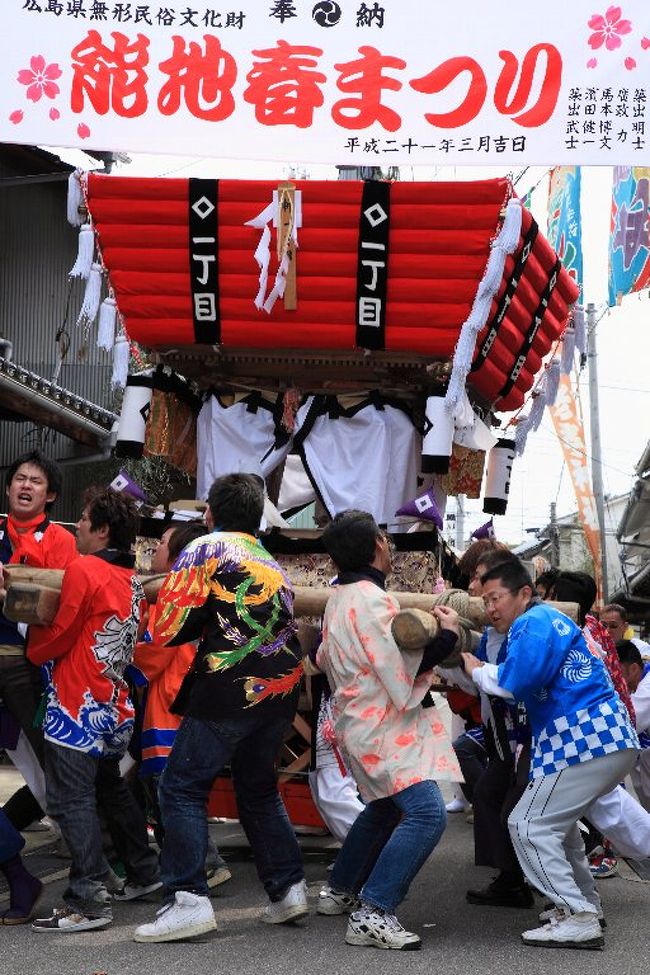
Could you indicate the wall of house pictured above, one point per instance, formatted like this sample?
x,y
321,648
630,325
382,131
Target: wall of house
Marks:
x,y
37,249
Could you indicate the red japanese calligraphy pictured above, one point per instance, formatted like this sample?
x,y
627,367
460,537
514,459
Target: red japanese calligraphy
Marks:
x,y
114,79
204,79
444,75
284,87
447,73
544,107
364,77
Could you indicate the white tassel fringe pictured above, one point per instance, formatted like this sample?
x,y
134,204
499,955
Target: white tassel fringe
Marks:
x,y
553,381
580,328
522,430
90,304
537,411
502,245
568,350
81,267
120,362
75,199
106,328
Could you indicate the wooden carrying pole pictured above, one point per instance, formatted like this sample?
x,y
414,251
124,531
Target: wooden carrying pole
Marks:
x,y
287,240
33,597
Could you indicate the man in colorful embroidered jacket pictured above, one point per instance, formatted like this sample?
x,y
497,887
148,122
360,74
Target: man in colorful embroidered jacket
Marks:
x,y
89,716
238,702
164,669
583,745
27,537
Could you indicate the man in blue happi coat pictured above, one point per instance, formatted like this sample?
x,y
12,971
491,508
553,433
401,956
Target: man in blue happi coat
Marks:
x,y
583,745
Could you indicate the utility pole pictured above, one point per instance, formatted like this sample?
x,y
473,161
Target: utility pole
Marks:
x,y
460,522
594,425
555,542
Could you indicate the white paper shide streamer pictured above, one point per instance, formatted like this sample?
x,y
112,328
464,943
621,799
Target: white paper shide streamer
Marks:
x,y
263,250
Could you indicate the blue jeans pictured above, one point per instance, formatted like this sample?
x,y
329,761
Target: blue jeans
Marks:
x,y
75,784
11,842
389,842
250,743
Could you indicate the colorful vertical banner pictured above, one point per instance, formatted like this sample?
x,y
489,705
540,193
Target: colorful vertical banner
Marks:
x,y
629,235
570,432
565,234
564,223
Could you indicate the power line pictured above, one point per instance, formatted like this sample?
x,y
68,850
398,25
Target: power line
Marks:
x,y
587,455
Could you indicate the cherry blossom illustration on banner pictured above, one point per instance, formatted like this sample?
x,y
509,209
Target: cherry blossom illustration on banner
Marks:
x,y
40,78
608,29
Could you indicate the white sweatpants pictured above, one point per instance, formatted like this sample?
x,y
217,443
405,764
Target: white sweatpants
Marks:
x,y
624,821
545,836
640,776
336,798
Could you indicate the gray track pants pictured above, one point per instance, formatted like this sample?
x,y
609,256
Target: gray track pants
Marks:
x,y
545,835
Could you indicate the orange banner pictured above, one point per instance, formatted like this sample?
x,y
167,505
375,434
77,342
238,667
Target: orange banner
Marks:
x,y
571,434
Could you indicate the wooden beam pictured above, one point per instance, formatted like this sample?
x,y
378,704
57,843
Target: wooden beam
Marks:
x,y
33,594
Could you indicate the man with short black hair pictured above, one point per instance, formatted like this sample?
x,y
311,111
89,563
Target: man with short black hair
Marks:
x,y
614,618
505,776
89,716
583,745
237,702
395,748
637,675
28,537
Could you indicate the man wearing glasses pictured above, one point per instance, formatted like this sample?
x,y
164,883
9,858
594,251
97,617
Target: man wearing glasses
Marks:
x,y
614,618
583,746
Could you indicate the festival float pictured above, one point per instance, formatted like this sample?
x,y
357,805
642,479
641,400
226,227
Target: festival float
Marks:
x,y
356,342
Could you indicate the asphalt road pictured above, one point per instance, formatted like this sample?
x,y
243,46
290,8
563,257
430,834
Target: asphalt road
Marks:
x,y
458,938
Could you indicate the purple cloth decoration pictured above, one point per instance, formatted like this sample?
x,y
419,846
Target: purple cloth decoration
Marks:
x,y
424,508
485,531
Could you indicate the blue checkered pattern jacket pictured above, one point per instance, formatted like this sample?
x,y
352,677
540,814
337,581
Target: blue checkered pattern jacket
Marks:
x,y
574,712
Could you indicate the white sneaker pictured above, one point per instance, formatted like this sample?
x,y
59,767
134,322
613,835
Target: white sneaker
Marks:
x,y
333,902
133,892
580,930
292,906
551,911
457,806
379,930
69,920
186,916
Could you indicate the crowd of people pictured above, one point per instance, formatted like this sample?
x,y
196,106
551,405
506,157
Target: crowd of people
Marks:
x,y
556,715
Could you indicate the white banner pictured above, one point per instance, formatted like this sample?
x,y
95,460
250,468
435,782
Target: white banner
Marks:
x,y
403,82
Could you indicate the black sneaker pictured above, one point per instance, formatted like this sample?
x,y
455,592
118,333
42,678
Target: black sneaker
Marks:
x,y
69,920
500,894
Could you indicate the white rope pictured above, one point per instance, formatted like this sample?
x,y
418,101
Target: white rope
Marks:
x,y
502,245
